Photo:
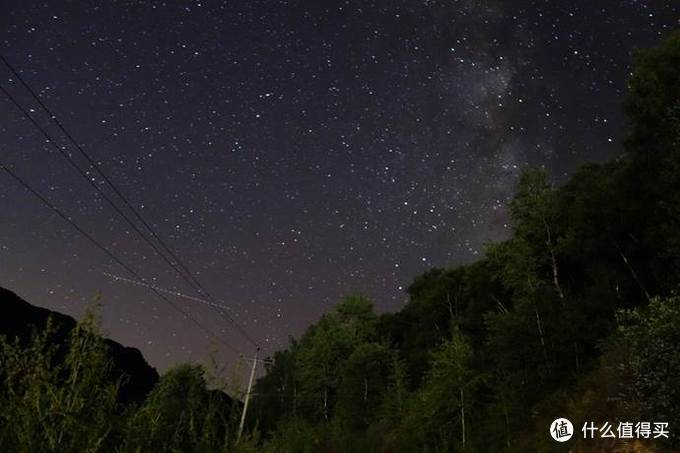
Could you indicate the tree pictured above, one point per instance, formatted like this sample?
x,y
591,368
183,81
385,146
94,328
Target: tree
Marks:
x,y
181,414
58,399
650,336
653,147
438,416
364,382
276,394
323,350
483,353
534,213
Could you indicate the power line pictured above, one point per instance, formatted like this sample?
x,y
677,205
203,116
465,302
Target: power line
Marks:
x,y
166,291
97,188
70,160
193,281
100,172
186,275
110,254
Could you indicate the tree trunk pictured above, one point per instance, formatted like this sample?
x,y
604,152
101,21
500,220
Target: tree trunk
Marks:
x,y
325,403
539,326
507,423
556,280
540,333
578,363
294,399
632,271
462,414
365,389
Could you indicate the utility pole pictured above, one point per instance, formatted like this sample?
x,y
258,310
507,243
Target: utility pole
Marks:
x,y
247,399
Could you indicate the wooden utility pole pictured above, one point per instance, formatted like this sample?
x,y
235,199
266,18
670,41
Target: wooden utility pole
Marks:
x,y
247,398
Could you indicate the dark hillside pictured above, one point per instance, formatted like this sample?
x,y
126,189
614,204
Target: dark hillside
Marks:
x,y
18,319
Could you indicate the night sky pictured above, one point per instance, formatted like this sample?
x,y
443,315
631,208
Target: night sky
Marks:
x,y
293,152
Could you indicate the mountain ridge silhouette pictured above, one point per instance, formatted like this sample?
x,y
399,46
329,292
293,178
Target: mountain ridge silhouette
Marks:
x,y
19,318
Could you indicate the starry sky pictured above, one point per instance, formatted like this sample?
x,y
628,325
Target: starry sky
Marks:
x,y
292,152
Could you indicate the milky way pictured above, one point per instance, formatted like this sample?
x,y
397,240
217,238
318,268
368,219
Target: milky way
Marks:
x,y
294,152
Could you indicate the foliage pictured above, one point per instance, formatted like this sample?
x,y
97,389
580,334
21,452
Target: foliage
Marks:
x,y
650,336
180,414
63,398
56,400
574,315
436,418
503,342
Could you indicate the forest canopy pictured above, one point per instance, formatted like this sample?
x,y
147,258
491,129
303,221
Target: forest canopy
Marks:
x,y
576,315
